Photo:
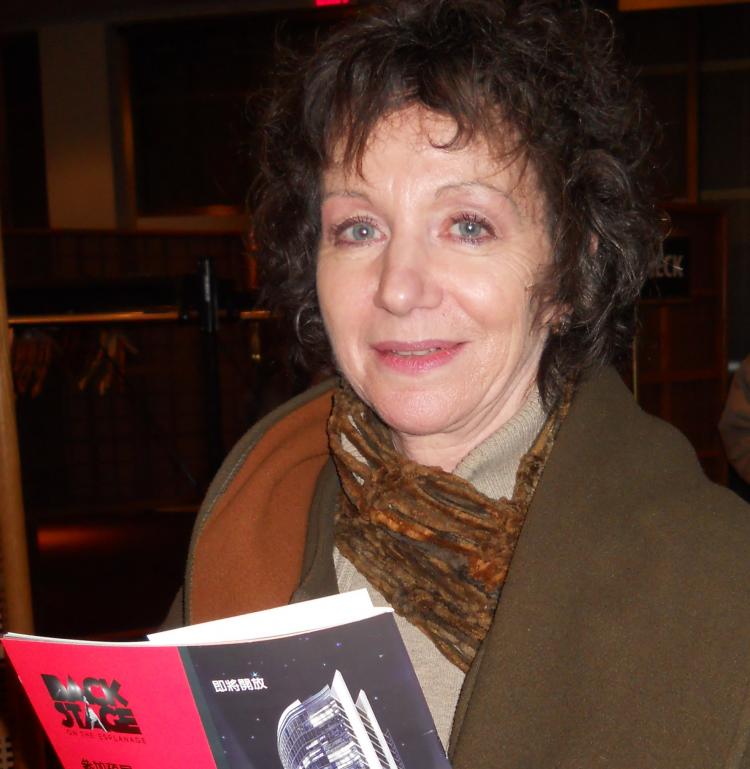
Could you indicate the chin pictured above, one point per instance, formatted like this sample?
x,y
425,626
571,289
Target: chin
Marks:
x,y
413,414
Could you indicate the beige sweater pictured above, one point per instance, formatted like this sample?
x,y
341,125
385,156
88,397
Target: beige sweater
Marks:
x,y
491,468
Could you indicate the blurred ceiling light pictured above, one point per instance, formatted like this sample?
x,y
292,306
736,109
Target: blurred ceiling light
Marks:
x,y
654,5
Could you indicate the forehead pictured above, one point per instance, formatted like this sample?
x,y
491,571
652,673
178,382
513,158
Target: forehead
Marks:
x,y
418,146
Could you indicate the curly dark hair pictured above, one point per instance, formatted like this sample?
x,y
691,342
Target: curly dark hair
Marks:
x,y
544,72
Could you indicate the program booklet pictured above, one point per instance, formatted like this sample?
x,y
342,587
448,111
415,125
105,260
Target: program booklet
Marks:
x,y
323,683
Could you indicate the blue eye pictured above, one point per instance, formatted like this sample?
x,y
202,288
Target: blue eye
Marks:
x,y
362,231
471,228
356,231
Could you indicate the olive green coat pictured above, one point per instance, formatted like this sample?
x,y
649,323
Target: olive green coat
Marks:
x,y
622,637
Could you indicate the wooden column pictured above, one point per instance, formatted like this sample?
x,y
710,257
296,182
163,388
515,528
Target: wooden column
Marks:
x,y
20,740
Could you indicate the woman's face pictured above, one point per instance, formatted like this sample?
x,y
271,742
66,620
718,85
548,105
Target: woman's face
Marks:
x,y
425,273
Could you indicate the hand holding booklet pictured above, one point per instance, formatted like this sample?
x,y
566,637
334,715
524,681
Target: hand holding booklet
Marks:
x,y
323,683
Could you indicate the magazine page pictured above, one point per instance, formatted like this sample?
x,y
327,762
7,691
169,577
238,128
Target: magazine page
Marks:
x,y
341,697
118,706
315,614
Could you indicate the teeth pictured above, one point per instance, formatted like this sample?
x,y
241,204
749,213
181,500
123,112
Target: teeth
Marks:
x,y
409,353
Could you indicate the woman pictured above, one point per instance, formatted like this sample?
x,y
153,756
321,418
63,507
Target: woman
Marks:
x,y
452,207
734,425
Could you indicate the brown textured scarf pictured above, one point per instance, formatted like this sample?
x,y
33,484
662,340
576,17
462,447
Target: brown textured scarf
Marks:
x,y
434,546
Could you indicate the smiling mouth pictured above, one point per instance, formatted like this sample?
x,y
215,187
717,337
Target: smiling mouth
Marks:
x,y
415,358
421,349
417,353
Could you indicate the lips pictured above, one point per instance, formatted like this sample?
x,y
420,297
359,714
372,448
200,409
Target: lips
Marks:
x,y
407,353
416,357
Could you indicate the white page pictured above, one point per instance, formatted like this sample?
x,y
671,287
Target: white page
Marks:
x,y
306,616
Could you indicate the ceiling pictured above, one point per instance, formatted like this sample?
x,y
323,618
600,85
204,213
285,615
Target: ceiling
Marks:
x,y
19,15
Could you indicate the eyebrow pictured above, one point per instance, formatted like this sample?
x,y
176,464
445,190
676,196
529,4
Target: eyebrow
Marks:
x,y
345,194
445,188
483,185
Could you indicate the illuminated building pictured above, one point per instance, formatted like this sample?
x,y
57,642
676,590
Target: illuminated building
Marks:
x,y
331,731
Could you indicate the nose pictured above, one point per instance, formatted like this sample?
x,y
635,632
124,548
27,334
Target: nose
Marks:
x,y
407,281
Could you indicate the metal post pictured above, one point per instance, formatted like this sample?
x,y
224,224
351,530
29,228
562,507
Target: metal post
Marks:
x,y
209,322
19,737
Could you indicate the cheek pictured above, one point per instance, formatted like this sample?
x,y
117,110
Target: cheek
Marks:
x,y
330,293
499,304
514,298
338,303
322,284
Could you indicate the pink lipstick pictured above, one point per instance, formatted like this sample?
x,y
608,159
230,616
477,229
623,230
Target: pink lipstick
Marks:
x,y
416,357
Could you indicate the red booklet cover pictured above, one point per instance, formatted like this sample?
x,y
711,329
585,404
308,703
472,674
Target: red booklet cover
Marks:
x,y
325,683
128,707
